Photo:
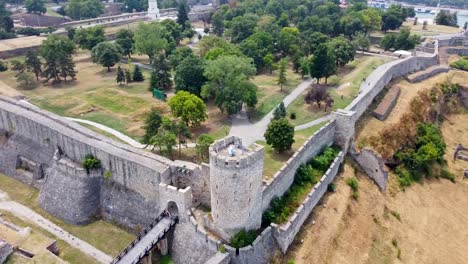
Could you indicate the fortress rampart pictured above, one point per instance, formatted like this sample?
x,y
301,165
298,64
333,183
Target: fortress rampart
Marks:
x,y
134,186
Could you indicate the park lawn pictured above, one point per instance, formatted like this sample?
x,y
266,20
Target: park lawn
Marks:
x,y
51,12
66,252
269,94
344,86
431,30
273,161
97,97
103,235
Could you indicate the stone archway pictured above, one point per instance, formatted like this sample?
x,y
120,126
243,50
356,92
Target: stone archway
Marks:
x,y
172,208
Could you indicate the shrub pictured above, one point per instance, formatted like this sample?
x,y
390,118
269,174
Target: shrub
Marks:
x,y
26,81
307,175
137,74
107,175
404,177
461,64
292,115
396,215
243,238
395,242
3,66
222,249
444,173
331,187
354,184
90,163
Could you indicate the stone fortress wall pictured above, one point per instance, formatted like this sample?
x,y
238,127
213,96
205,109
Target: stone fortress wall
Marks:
x,y
134,182
31,137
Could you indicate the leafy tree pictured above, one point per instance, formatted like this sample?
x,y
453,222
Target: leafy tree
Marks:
x,y
162,72
312,40
190,108
173,29
304,66
33,63
120,76
243,238
228,85
152,123
84,9
165,138
17,66
401,41
57,52
71,31
6,23
137,74
182,13
317,94
268,62
257,47
189,75
425,25
280,135
35,6
343,50
124,38
3,66
393,17
150,39
107,54
279,112
88,38
26,81
128,77
446,18
361,41
323,63
208,43
91,163
179,55
282,80
242,27
203,145
183,133
289,36
217,23
138,5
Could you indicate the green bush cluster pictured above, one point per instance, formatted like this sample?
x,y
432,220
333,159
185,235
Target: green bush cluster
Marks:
x,y
354,184
461,64
243,238
306,177
423,157
3,66
90,163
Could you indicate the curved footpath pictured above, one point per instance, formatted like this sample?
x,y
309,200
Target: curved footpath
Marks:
x,y
25,213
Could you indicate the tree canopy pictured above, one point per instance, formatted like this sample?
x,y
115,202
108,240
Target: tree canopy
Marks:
x,y
57,52
107,54
190,108
150,39
189,75
84,9
88,38
280,135
35,6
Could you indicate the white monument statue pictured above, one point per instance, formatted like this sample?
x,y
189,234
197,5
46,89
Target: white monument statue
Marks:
x,y
153,11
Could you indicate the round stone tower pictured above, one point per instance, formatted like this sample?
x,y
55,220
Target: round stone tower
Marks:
x,y
236,174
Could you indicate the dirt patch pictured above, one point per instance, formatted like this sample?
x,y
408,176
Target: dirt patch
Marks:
x,y
426,222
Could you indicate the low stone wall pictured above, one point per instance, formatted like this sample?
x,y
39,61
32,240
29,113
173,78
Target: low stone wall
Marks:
x,y
35,135
220,258
284,177
286,233
5,251
461,51
261,250
387,104
380,77
192,244
426,74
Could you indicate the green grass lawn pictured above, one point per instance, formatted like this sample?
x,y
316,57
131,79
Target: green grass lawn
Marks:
x,y
274,161
269,94
66,252
103,235
348,79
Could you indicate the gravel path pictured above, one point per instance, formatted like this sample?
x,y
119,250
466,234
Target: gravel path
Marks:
x,y
249,132
27,214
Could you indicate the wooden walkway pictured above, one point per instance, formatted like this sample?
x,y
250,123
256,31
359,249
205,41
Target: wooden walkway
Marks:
x,y
146,240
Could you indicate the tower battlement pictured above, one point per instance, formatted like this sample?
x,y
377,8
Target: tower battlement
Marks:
x,y
231,154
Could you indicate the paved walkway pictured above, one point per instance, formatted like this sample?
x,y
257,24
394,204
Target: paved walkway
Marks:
x,y
243,128
27,214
